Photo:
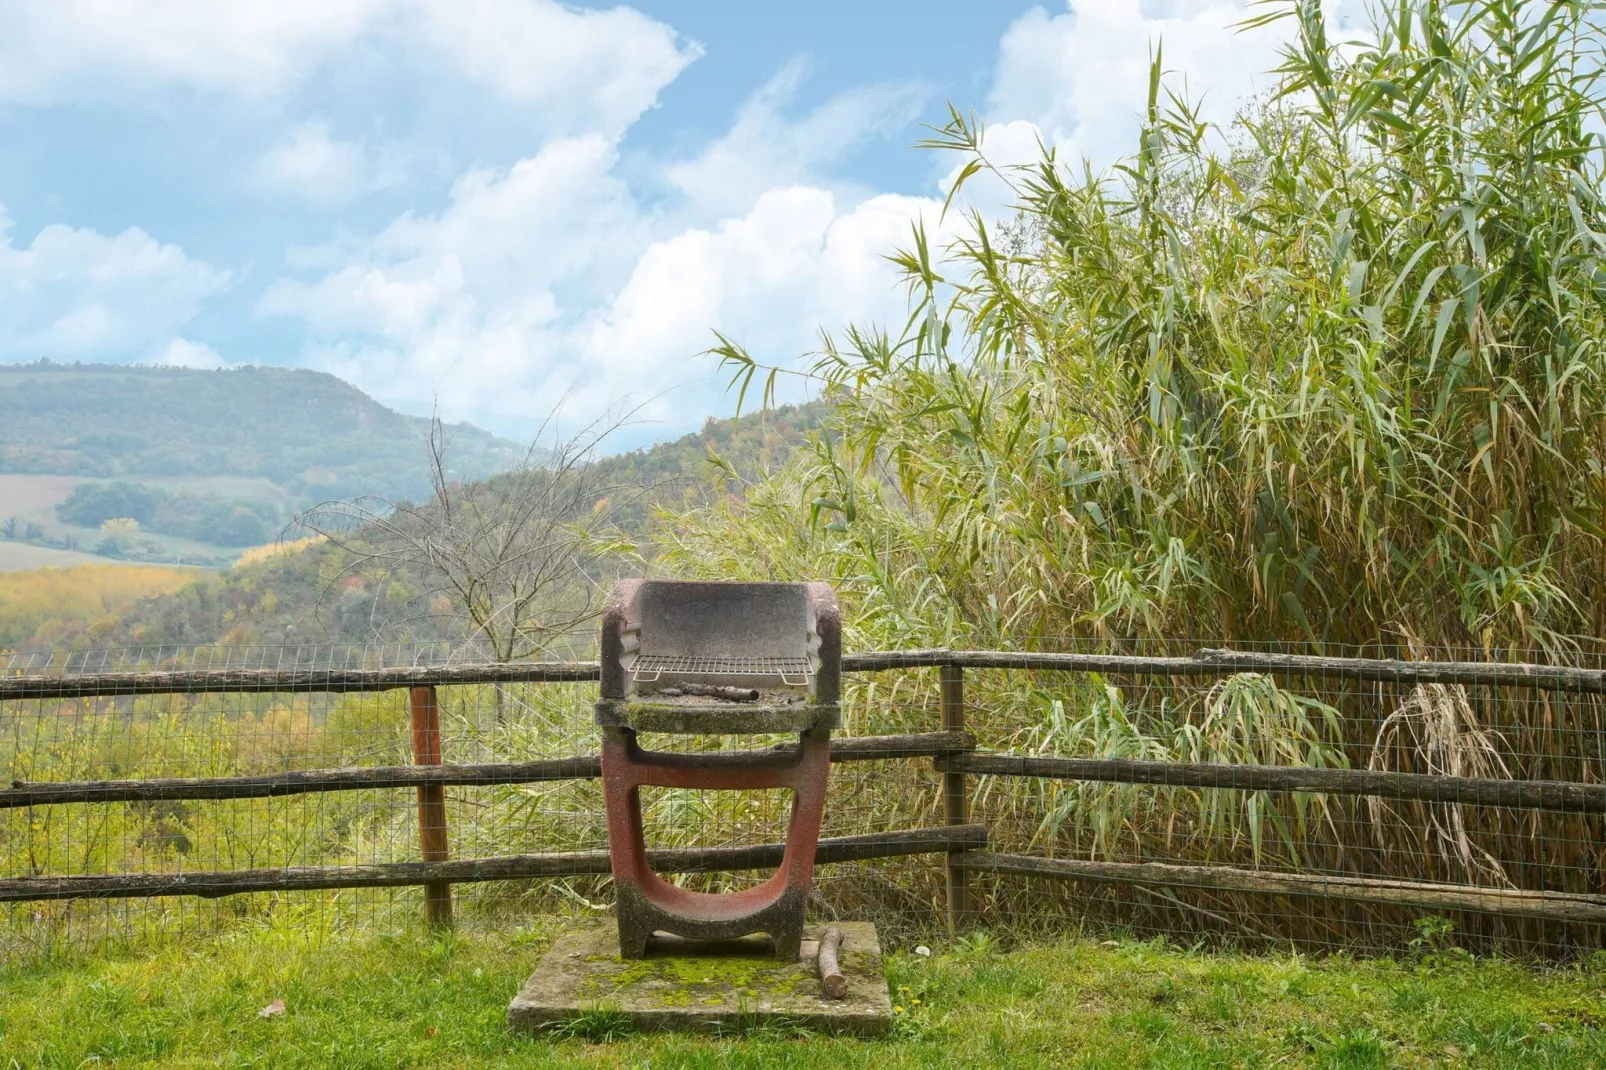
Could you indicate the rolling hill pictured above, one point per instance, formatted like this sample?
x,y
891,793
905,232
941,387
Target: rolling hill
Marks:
x,y
305,593
202,462
307,432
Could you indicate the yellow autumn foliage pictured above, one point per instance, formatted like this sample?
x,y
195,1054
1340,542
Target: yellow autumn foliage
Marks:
x,y
70,600
275,549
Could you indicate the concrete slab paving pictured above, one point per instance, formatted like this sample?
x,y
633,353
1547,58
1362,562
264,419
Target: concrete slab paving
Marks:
x,y
704,987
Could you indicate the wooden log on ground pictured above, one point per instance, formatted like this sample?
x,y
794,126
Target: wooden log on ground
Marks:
x,y
832,983
272,785
1559,795
719,691
1418,895
215,884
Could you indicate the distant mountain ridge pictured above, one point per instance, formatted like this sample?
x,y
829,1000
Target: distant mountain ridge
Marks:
x,y
312,433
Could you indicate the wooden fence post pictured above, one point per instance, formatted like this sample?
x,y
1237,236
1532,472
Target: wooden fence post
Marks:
x,y
955,798
431,803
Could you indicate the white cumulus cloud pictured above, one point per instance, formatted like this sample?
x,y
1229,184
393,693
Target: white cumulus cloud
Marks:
x,y
76,293
67,48
184,353
311,164
797,262
1082,77
584,67
505,239
766,148
472,309
462,305
606,65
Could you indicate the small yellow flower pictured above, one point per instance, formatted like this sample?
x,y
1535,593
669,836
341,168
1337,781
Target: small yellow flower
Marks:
x,y
897,1010
914,1003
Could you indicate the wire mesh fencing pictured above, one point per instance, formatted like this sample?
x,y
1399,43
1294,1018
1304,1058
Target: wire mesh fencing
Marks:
x,y
106,745
1191,801
1302,807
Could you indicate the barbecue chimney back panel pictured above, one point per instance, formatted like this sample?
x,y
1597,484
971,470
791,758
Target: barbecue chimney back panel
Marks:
x,y
780,639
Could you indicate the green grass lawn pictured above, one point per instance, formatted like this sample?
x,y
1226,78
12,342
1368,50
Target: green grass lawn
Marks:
x,y
408,999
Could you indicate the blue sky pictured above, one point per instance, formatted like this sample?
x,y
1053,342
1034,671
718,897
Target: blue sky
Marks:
x,y
495,205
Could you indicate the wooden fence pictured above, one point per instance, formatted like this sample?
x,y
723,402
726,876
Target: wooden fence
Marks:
x,y
952,750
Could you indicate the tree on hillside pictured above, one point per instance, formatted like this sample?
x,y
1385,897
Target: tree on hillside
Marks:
x,y
519,557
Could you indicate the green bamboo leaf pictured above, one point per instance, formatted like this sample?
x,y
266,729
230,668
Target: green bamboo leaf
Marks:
x,y
1582,520
1405,273
971,168
1441,325
1422,293
1084,478
1389,119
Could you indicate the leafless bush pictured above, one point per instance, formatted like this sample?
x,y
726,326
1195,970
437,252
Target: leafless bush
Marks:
x,y
520,558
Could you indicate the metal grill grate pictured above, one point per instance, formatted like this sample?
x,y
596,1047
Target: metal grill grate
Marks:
x,y
794,672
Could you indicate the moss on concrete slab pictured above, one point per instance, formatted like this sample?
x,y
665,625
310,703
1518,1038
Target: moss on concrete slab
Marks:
x,y
692,986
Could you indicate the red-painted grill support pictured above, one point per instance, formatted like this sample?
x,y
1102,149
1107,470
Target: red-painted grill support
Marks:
x,y
782,641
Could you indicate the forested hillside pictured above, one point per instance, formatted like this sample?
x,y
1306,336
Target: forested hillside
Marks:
x,y
308,432
310,590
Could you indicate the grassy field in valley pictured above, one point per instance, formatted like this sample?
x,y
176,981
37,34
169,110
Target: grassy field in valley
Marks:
x,y
33,498
23,557
407,999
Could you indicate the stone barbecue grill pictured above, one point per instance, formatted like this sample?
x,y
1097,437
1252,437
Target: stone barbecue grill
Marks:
x,y
717,659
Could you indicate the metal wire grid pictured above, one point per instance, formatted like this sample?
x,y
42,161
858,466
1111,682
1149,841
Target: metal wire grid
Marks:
x,y
1480,732
794,672
1500,733
232,735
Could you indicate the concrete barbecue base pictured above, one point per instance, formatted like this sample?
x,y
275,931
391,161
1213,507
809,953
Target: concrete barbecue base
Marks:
x,y
703,987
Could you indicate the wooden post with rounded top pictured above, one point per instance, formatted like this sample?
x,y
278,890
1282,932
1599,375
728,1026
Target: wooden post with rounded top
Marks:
x,y
431,803
955,798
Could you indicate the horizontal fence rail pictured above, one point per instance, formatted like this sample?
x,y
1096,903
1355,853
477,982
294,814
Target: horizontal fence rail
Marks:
x,y
288,681
1553,906
215,884
1560,795
1204,663
1211,662
274,785
952,750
